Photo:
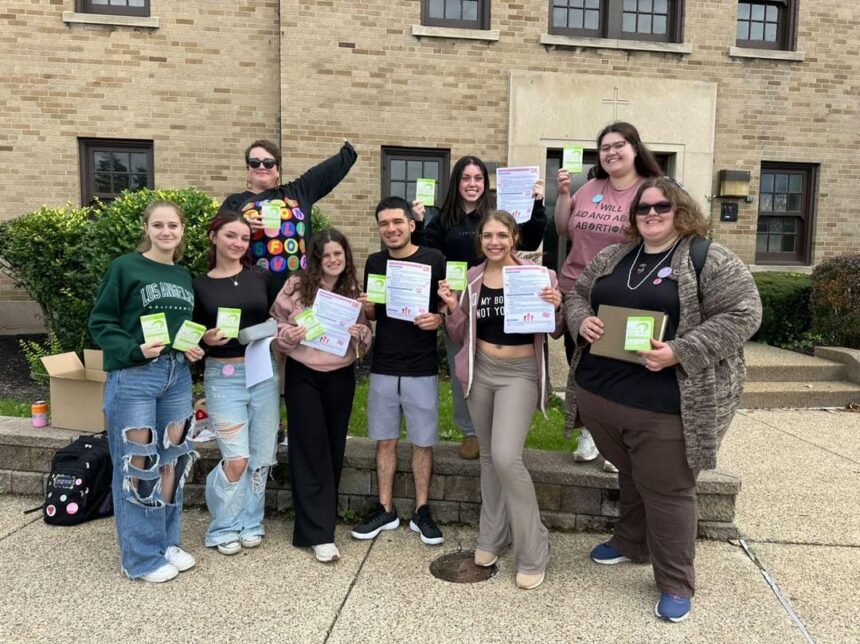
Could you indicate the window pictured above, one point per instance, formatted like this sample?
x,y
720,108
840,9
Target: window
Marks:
x,y
109,166
114,7
785,213
655,20
402,166
766,24
459,14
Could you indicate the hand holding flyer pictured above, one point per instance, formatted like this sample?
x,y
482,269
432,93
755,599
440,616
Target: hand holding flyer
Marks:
x,y
309,320
455,275
525,310
228,321
514,187
188,336
155,328
335,314
407,290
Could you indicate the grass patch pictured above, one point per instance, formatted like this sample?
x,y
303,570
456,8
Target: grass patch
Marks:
x,y
12,407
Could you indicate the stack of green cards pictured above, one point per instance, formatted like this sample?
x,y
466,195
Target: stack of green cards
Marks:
x,y
188,336
376,288
638,335
425,191
571,159
228,321
271,215
455,275
155,328
311,322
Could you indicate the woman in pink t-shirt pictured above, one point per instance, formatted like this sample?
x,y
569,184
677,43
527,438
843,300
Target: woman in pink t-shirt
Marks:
x,y
595,217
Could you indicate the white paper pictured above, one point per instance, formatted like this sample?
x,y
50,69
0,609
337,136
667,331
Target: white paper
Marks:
x,y
525,311
336,313
407,289
514,190
258,362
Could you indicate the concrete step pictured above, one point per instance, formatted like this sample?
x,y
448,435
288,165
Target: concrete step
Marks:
x,y
798,395
770,364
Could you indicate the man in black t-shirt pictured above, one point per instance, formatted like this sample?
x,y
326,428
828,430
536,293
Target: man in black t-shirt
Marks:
x,y
404,374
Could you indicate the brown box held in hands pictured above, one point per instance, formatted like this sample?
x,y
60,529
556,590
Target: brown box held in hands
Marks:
x,y
77,391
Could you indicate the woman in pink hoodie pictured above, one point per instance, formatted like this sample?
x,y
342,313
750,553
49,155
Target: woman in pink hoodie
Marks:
x,y
504,378
318,390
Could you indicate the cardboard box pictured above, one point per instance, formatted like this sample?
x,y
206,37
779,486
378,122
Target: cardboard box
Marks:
x,y
77,391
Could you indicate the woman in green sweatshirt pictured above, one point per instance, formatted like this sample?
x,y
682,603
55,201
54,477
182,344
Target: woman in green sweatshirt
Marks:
x,y
148,394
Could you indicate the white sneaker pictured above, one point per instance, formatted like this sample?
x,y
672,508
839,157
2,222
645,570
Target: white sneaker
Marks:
x,y
609,467
165,573
251,542
326,552
180,559
230,547
586,450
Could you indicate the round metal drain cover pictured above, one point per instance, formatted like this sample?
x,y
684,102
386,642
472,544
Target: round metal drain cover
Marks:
x,y
459,568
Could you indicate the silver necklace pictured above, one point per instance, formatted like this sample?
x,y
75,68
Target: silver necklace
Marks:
x,y
235,279
656,266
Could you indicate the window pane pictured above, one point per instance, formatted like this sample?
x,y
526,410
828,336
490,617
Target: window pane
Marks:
x,y
120,161
765,203
629,5
136,3
743,31
436,9
398,169
789,225
138,181
592,4
102,182
118,3
559,17
645,5
795,183
576,18
592,19
659,25
771,13
644,24
793,203
470,10
629,22
410,192
101,160
774,244
413,170
770,33
398,189
743,11
757,12
431,170
452,9
788,243
779,202
756,31
781,183
775,224
766,182
139,162
660,6
760,243
120,182
100,2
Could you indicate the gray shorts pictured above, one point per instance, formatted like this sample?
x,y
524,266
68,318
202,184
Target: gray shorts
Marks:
x,y
417,397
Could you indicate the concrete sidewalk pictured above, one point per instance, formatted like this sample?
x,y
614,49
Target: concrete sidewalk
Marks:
x,y
798,510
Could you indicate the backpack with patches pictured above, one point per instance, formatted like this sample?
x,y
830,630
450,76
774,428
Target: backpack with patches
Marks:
x,y
79,485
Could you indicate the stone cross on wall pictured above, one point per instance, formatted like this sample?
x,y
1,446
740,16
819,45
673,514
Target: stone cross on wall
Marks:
x,y
615,102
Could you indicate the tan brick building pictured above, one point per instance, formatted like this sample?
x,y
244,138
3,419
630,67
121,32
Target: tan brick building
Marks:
x,y
768,87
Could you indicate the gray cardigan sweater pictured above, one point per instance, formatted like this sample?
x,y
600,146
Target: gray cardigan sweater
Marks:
x,y
708,343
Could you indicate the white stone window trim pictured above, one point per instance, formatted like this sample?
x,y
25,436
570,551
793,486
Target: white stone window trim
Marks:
x,y
75,18
557,40
423,31
767,54
780,268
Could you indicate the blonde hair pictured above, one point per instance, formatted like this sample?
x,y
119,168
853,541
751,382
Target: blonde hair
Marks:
x,y
145,242
507,220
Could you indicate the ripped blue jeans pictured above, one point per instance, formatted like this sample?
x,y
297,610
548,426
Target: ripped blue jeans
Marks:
x,y
149,413
245,422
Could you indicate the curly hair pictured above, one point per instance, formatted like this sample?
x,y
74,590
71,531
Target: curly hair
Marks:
x,y
311,278
688,220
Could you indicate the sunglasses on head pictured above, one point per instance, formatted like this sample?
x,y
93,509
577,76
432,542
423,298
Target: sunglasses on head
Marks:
x,y
661,208
255,163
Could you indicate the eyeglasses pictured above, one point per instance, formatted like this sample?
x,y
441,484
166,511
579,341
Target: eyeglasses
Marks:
x,y
255,163
615,147
661,207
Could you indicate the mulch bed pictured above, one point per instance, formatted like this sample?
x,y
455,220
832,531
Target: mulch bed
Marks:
x,y
15,379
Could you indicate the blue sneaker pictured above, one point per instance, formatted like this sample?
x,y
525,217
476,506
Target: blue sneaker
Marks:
x,y
606,554
673,607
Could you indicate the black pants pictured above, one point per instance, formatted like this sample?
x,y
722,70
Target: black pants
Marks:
x,y
319,404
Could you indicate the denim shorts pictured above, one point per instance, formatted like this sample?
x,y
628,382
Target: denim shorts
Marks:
x,y
391,397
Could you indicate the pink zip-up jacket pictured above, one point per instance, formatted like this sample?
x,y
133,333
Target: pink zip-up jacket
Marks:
x,y
285,309
461,325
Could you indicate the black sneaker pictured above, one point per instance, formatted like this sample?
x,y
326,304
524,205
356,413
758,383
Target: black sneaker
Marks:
x,y
423,524
381,520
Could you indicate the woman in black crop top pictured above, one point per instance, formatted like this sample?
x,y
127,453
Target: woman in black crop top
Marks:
x,y
245,419
504,377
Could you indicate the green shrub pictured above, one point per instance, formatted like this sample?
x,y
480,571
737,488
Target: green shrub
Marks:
x,y
836,301
786,317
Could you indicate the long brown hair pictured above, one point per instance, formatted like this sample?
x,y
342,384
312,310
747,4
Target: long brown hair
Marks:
x,y
145,242
311,278
688,220
645,163
218,221
451,211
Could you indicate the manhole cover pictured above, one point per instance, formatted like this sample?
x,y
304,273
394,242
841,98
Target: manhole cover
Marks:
x,y
459,568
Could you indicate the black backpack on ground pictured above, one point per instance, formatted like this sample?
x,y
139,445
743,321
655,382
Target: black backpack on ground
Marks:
x,y
79,485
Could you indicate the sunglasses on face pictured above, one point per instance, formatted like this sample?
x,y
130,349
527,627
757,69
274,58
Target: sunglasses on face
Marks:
x,y
661,208
255,163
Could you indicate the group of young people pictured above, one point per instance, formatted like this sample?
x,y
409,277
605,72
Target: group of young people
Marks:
x,y
659,422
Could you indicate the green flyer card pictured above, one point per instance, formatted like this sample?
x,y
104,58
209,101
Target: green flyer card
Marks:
x,y
455,275
228,321
271,214
309,320
155,328
425,191
188,336
376,288
639,333
571,159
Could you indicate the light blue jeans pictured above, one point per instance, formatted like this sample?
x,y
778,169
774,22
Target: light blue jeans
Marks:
x,y
245,422
154,397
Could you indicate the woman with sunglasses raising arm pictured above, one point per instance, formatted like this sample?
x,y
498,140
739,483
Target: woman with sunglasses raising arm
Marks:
x,y
595,216
661,420
282,249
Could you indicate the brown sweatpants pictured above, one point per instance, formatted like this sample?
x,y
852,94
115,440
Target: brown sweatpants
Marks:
x,y
658,490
